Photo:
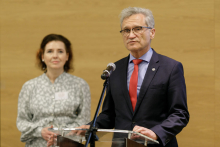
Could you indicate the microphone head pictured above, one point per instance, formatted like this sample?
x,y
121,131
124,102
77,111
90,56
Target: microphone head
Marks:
x,y
112,65
106,73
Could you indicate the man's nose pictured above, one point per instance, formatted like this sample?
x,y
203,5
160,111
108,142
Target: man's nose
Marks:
x,y
131,34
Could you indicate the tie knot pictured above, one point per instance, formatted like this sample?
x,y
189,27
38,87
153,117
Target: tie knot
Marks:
x,y
137,61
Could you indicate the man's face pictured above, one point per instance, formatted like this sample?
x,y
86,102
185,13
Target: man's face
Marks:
x,y
137,43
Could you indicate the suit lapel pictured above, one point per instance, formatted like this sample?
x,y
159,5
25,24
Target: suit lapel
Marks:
x,y
123,74
151,71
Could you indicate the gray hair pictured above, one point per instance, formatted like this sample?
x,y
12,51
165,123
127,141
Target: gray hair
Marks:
x,y
127,12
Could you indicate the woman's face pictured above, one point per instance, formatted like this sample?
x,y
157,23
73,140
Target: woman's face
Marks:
x,y
55,55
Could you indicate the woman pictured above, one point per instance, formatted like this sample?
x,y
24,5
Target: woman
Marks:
x,y
55,97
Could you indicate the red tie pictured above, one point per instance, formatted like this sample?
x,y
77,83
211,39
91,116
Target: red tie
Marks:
x,y
133,83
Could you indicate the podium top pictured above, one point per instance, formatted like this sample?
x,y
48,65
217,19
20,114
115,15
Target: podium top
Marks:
x,y
105,135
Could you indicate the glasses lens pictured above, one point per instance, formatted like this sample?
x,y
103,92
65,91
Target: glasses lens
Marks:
x,y
137,30
126,32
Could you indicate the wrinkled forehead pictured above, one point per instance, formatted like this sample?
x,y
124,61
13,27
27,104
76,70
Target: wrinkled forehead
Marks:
x,y
133,21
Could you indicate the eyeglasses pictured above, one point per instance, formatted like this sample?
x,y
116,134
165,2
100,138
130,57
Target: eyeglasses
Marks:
x,y
136,30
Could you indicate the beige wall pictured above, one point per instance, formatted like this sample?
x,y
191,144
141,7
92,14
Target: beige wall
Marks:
x,y
188,31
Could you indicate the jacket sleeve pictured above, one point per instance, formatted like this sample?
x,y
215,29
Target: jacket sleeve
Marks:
x,y
28,129
178,115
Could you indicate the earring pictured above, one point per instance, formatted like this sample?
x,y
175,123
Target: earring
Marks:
x,y
42,60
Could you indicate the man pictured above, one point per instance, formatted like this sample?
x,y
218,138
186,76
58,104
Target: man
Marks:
x,y
155,103
160,111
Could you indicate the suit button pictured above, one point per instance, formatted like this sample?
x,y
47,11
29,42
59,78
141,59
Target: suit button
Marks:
x,y
133,122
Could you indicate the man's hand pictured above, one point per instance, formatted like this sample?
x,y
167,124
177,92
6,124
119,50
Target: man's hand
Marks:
x,y
80,132
146,132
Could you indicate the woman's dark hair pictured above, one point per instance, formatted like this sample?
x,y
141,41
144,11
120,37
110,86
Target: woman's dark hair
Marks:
x,y
55,37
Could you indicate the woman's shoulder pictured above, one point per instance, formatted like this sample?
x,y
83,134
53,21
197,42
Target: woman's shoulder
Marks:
x,y
32,82
75,79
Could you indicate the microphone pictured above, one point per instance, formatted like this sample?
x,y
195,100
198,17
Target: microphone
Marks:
x,y
107,72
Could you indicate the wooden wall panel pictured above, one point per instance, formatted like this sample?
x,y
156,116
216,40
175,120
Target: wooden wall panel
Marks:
x,y
217,72
187,31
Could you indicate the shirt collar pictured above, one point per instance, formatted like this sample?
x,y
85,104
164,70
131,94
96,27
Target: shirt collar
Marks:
x,y
146,57
59,79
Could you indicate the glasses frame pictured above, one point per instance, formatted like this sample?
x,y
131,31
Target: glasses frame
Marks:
x,y
122,31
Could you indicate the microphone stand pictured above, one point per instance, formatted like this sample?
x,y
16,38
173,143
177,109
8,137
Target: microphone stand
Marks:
x,y
91,133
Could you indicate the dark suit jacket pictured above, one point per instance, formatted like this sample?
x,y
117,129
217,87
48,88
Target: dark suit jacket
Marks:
x,y
161,105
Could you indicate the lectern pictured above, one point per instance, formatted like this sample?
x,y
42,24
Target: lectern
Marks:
x,y
106,137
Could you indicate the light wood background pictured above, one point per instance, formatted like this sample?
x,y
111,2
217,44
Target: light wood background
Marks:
x,y
186,30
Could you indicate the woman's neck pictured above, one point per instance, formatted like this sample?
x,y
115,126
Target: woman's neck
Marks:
x,y
53,74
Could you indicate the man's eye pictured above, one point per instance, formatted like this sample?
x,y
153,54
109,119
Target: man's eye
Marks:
x,y
127,30
138,28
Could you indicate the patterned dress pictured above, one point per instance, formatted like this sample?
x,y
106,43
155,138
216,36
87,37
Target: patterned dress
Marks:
x,y
41,104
